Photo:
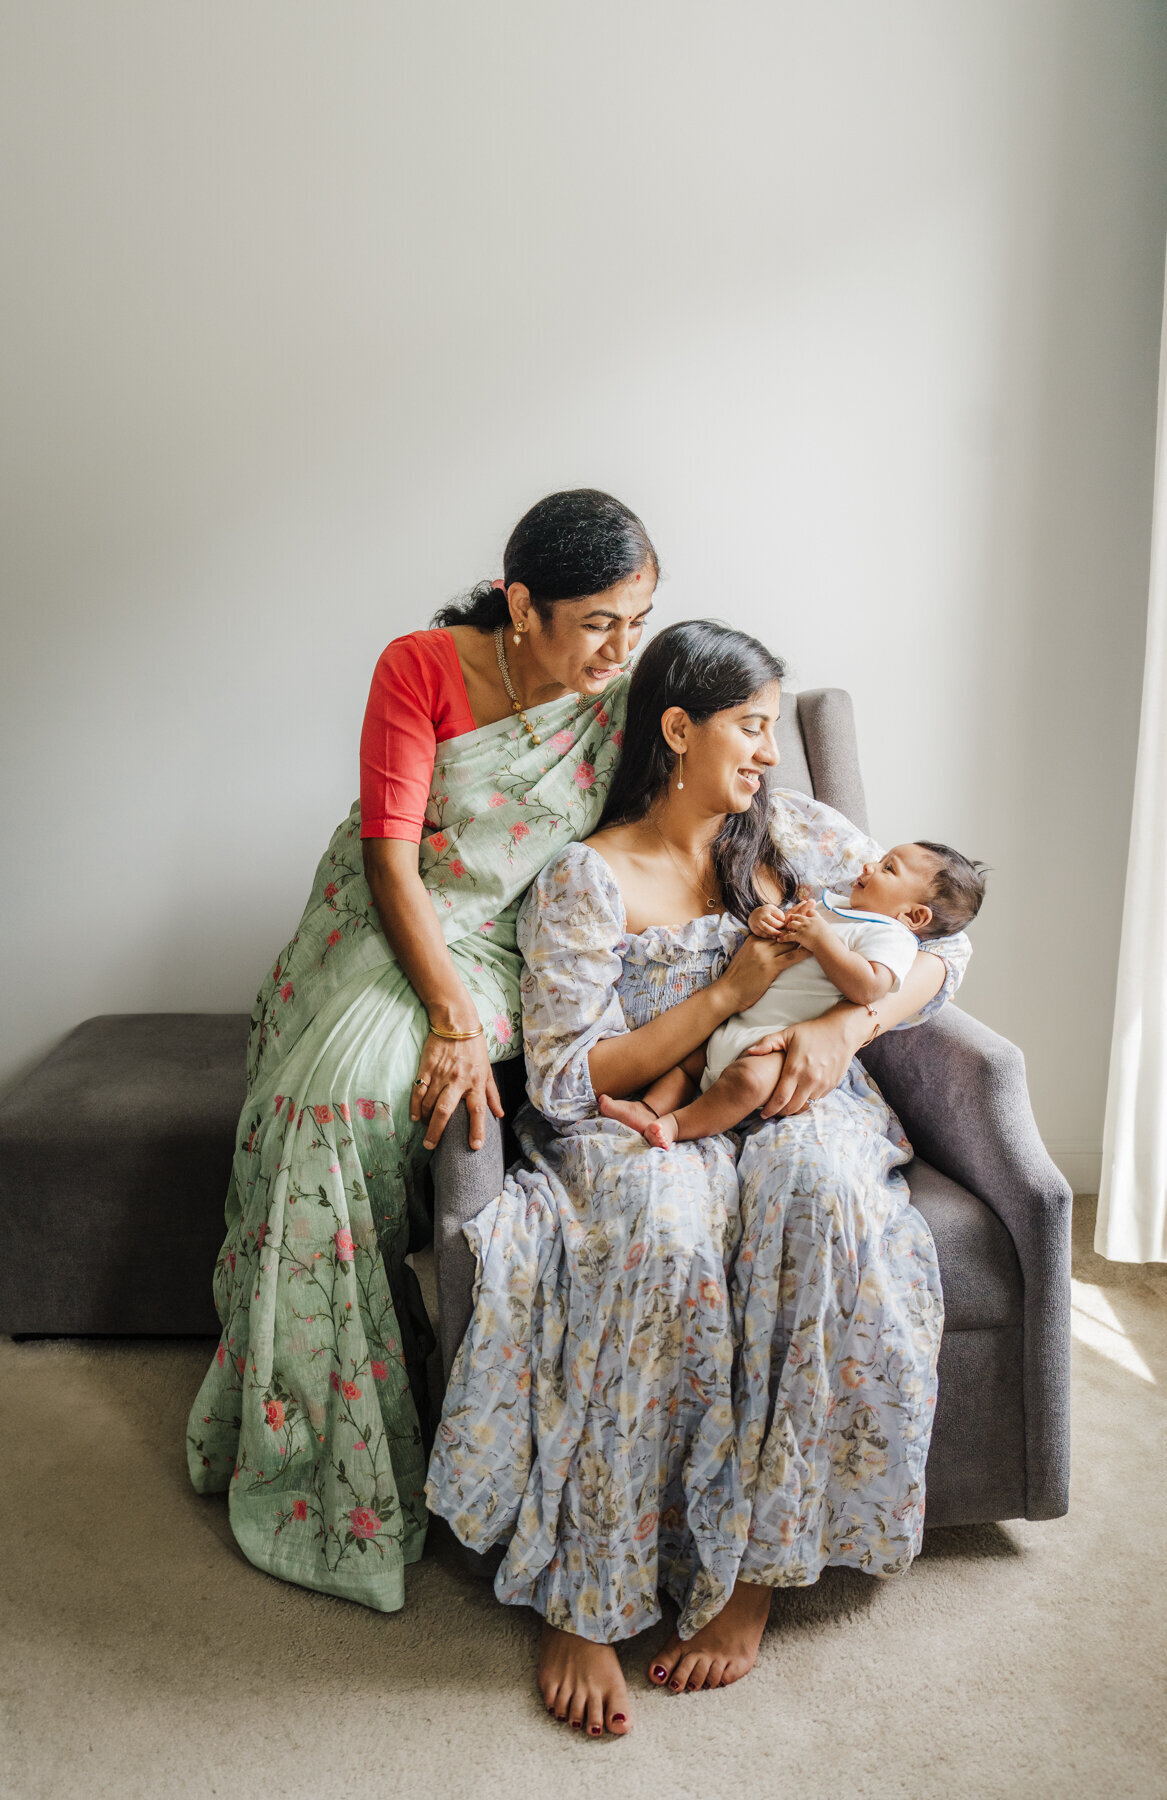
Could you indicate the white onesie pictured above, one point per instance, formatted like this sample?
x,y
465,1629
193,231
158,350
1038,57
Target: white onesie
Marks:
x,y
804,991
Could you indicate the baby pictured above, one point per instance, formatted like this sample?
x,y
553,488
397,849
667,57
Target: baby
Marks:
x,y
858,951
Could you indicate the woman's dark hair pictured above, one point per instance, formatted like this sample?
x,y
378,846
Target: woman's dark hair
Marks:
x,y
569,545
705,668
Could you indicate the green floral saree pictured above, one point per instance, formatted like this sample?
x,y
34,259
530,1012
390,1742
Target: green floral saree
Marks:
x,y
307,1415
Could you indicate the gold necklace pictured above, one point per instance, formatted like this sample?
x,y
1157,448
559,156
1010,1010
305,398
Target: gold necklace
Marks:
x,y
507,684
708,901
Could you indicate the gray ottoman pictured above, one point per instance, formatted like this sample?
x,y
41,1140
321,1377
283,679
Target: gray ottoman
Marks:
x,y
114,1159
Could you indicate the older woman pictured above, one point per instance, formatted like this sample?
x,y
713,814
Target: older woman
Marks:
x,y
488,744
713,1368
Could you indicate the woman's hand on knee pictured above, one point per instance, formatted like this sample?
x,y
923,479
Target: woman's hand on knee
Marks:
x,y
448,1073
818,1054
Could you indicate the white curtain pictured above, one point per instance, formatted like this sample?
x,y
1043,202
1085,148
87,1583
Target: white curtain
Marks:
x,y
1132,1202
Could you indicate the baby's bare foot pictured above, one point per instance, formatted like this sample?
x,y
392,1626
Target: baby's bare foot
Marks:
x,y
632,1113
722,1651
583,1684
663,1131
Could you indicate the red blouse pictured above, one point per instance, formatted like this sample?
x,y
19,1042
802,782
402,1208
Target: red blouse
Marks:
x,y
417,700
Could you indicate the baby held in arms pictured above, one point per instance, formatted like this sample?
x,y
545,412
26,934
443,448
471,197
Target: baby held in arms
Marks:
x,y
859,950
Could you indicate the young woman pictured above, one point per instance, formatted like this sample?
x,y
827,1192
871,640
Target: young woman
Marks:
x,y
488,744
711,1368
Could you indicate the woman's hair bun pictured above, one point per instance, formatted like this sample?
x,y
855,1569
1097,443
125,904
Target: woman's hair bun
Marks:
x,y
567,546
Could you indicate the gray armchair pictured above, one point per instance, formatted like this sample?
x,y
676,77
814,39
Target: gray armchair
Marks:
x,y
998,1210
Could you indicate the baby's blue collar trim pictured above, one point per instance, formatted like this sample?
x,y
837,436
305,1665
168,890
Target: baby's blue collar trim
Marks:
x,y
835,903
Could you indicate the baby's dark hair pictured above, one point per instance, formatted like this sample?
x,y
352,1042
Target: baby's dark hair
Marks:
x,y
958,889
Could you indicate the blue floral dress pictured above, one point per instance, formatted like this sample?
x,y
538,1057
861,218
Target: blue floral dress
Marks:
x,y
687,1365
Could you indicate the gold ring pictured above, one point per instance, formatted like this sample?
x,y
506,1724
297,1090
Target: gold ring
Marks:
x,y
420,1083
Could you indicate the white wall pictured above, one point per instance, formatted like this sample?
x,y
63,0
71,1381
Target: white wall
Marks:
x,y
858,305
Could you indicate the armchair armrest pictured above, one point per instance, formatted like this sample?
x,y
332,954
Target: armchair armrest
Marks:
x,y
960,1093
465,1181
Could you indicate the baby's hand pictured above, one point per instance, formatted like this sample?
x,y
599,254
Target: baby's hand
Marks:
x,y
767,921
803,924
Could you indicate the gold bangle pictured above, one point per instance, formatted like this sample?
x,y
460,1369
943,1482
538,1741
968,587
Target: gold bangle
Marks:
x,y
456,1037
869,1009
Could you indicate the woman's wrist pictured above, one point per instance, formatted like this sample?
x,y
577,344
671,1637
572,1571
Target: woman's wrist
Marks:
x,y
451,1014
859,1022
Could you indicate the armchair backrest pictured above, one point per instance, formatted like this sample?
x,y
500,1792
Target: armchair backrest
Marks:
x,y
819,752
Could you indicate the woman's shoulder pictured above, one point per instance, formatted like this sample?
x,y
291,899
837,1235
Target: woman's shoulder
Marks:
x,y
422,669
432,648
576,875
580,863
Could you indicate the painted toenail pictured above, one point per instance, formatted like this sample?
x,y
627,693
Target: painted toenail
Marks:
x,y
676,1686
617,1718
575,1725
595,1730
659,1673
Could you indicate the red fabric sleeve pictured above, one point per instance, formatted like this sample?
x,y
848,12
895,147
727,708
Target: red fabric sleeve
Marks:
x,y
417,700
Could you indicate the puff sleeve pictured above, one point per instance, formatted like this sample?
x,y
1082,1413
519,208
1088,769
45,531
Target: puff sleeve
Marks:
x,y
571,935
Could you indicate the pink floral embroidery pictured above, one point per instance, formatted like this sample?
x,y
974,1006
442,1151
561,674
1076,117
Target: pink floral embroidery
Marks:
x,y
342,1109
286,992
331,890
261,1235
601,717
562,740
585,775
322,1115
497,800
365,1524
231,1261
520,831
275,1413
618,738
350,1390
221,1355
343,1239
333,938
439,841
359,1444
380,1370
502,1028
334,1382
279,1102
366,1108
300,1510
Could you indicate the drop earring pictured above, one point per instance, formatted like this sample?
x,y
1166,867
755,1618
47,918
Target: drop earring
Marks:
x,y
518,635
680,770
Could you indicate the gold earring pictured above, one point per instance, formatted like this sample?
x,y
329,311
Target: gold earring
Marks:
x,y
518,638
680,770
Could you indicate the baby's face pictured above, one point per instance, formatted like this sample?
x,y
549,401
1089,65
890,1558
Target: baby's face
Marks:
x,y
898,884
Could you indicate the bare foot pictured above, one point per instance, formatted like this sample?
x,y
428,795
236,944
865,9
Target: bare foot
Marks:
x,y
663,1131
633,1113
582,1683
722,1651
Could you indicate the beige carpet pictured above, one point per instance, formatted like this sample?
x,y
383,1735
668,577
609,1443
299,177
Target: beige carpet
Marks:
x,y
141,1656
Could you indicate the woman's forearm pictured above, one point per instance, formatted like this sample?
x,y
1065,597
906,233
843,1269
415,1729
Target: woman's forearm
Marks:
x,y
922,983
623,1065
413,933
